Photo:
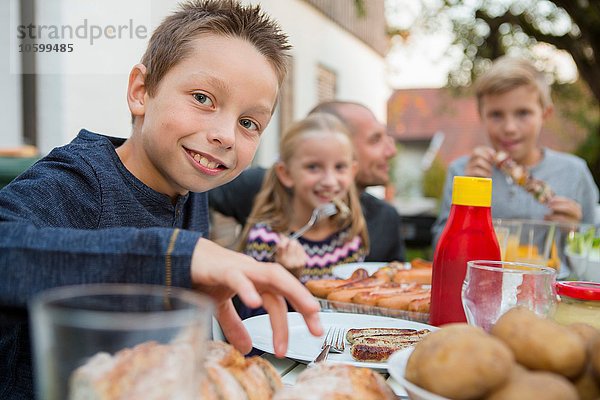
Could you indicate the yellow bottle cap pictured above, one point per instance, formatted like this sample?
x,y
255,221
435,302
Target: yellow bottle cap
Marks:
x,y
471,191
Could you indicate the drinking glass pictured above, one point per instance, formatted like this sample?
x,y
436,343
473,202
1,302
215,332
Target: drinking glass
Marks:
x,y
493,287
141,341
508,233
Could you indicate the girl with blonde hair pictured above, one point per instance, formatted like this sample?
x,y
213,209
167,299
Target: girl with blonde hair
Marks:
x,y
316,166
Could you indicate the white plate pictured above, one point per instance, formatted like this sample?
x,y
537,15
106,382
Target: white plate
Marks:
x,y
304,347
343,271
396,368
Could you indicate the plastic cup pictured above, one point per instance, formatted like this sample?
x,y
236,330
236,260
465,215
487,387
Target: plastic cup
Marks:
x,y
141,341
491,288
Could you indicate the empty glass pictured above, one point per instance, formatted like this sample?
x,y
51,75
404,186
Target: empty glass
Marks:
x,y
132,341
493,287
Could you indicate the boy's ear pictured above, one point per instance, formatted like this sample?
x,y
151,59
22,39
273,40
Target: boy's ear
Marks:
x,y
136,90
283,175
548,111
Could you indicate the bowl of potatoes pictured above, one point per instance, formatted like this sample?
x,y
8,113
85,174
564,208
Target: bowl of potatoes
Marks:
x,y
524,356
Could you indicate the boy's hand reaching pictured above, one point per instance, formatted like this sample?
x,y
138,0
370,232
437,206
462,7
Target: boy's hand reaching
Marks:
x,y
222,273
291,255
481,162
564,210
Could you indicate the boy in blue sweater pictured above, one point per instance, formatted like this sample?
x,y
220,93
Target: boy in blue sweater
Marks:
x,y
105,210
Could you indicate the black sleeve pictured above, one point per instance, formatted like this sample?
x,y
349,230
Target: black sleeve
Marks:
x,y
384,226
235,199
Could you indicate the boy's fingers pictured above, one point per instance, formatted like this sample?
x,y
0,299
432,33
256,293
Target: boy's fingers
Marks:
x,y
244,288
232,327
303,302
484,153
277,309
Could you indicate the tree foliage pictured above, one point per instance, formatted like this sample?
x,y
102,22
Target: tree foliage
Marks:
x,y
487,29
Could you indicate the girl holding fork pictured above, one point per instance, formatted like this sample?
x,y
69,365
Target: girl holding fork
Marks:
x,y
316,166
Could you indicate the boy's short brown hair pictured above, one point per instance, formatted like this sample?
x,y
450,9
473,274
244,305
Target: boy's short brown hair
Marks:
x,y
170,42
507,73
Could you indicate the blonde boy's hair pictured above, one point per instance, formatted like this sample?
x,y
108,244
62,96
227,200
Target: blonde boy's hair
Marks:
x,y
273,204
171,40
508,73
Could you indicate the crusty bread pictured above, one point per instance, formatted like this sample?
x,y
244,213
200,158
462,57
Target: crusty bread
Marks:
x,y
224,383
223,354
269,371
337,381
236,377
156,371
147,371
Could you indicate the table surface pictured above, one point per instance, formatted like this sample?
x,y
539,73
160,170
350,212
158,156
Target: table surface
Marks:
x,y
290,369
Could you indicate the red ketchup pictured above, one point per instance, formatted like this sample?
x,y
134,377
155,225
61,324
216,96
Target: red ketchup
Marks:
x,y
468,235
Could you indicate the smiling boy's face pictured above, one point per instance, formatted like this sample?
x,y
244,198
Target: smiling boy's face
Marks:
x,y
202,126
513,121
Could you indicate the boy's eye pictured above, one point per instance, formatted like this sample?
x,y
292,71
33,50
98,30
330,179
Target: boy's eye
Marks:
x,y
249,124
523,113
341,166
495,115
203,99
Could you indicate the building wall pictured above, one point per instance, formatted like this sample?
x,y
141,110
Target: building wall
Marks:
x,y
74,93
360,70
10,82
368,27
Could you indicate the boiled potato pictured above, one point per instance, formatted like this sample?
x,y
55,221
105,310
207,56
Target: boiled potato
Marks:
x,y
535,385
595,358
541,344
586,385
459,362
586,332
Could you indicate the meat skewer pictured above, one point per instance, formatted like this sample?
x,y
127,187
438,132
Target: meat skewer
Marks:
x,y
520,175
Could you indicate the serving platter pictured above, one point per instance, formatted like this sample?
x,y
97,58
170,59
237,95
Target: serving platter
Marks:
x,y
303,347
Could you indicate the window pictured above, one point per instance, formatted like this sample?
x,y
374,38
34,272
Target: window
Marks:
x,y
326,83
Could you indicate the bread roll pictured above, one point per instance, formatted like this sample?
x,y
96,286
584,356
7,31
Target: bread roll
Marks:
x,y
337,381
148,371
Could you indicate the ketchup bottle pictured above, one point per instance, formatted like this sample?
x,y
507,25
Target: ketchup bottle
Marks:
x,y
468,235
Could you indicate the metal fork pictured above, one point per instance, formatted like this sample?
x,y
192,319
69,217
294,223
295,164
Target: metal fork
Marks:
x,y
334,343
322,211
